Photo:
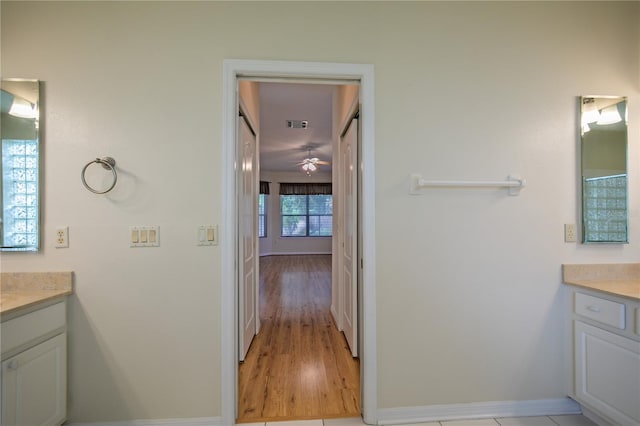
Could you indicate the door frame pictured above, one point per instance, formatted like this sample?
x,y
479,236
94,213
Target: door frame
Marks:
x,y
232,70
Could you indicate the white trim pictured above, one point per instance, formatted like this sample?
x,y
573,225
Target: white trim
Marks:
x,y
232,69
293,253
334,314
198,421
478,410
595,417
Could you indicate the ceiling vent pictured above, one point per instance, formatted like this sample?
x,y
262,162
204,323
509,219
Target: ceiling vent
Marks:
x,y
297,124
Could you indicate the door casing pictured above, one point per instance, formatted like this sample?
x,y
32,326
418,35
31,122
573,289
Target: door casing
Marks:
x,y
232,70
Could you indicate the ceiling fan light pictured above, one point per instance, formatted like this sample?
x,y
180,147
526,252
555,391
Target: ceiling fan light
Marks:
x,y
312,167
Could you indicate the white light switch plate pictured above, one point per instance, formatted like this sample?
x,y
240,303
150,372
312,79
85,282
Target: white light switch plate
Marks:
x,y
207,235
144,236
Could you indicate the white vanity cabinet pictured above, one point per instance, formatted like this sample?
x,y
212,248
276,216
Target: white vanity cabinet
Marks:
x,y
34,366
606,355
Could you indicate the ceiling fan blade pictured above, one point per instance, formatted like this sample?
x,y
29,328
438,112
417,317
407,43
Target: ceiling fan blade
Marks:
x,y
325,163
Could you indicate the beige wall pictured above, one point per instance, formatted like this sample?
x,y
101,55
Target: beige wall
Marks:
x,y
470,303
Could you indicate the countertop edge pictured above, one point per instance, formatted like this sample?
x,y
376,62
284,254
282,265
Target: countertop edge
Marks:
x,y
605,286
32,298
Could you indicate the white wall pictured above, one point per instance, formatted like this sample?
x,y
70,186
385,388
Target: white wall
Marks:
x,y
274,244
468,281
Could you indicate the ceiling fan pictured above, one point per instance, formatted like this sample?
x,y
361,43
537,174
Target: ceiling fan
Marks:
x,y
310,164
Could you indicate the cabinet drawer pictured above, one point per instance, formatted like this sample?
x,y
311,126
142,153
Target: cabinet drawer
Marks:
x,y
601,310
23,329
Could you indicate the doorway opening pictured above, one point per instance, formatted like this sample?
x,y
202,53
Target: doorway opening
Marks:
x,y
231,237
298,335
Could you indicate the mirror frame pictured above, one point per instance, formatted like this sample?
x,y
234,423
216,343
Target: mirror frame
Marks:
x,y
609,194
31,92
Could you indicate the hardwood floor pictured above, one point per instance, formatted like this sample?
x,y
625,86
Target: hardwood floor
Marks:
x,y
299,365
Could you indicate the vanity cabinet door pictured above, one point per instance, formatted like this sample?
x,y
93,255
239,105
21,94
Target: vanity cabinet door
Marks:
x,y
607,372
34,385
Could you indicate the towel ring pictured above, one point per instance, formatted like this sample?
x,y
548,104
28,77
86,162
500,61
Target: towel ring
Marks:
x,y
107,163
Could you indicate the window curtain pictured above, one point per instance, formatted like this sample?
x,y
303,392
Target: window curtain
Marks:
x,y
287,188
264,187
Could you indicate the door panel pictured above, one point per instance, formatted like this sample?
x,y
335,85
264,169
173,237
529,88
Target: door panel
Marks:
x,y
247,238
349,235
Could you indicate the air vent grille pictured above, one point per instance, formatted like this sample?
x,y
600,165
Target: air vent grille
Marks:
x,y
297,124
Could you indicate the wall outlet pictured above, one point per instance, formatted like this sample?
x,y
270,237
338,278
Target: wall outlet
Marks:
x,y
570,233
62,237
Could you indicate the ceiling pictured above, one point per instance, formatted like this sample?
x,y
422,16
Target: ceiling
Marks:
x,y
281,148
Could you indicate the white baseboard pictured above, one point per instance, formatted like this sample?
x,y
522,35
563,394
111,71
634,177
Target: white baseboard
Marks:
x,y
595,417
477,410
407,415
334,314
293,253
198,421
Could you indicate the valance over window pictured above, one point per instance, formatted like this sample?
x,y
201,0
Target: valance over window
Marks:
x,y
264,187
287,188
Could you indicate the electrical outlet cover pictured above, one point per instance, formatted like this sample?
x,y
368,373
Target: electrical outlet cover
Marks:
x,y
62,237
570,233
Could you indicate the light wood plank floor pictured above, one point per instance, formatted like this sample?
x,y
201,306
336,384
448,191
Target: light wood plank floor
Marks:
x,y
299,365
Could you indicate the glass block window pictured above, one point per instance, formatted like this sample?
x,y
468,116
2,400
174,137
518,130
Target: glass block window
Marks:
x,y
605,208
19,193
262,215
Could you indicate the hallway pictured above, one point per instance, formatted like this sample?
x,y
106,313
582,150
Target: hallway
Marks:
x,y
299,365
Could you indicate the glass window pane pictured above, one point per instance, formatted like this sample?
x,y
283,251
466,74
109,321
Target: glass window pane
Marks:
x,y
262,214
314,226
320,204
326,225
293,204
320,226
294,226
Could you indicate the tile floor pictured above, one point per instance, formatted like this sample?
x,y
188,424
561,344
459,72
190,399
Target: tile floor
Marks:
x,y
569,420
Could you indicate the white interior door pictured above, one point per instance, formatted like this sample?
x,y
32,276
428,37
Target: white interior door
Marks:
x,y
247,237
349,235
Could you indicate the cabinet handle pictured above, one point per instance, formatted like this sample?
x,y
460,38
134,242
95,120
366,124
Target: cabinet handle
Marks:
x,y
13,365
594,308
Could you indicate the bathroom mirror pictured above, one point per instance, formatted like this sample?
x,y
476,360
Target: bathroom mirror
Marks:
x,y
20,165
604,169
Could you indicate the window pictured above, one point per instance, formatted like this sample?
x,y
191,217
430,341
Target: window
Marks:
x,y
262,215
20,193
605,205
306,210
262,209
